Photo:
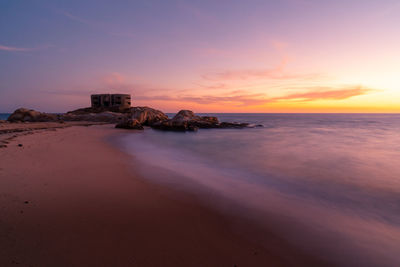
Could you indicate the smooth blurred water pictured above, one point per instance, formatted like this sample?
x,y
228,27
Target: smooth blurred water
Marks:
x,y
327,182
4,116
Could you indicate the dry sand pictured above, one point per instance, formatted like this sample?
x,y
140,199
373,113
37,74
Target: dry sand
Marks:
x,y
68,198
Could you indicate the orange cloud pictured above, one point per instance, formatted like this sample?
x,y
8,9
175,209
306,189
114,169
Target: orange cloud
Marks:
x,y
235,100
326,93
277,73
240,98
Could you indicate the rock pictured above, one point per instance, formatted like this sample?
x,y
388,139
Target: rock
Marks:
x,y
195,120
30,115
185,115
147,116
187,120
171,125
20,145
130,124
99,114
3,121
236,125
107,116
144,115
82,111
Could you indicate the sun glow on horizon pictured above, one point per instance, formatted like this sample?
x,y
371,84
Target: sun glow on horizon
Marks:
x,y
285,56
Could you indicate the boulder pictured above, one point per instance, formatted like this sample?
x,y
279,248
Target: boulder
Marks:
x,y
187,120
185,115
189,116
130,124
171,125
30,115
147,116
195,120
236,125
107,116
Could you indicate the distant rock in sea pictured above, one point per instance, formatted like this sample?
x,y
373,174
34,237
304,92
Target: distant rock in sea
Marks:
x,y
187,120
30,115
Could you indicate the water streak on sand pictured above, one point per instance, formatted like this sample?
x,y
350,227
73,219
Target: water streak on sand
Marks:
x,y
330,182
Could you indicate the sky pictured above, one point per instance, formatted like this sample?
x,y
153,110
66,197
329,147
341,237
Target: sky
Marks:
x,y
203,55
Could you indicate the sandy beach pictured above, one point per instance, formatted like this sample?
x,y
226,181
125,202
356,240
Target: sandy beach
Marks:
x,y
69,198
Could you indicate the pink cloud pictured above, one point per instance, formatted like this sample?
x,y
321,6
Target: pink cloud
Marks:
x,y
326,93
22,49
276,73
241,98
113,79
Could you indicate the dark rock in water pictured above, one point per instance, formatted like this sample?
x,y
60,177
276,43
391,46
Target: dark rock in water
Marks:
x,y
233,125
19,145
30,115
185,115
130,124
186,120
195,120
147,116
171,125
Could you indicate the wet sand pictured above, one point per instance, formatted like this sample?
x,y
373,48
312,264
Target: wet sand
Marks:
x,y
69,198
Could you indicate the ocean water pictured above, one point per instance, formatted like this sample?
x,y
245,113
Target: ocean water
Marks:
x,y
327,183
4,116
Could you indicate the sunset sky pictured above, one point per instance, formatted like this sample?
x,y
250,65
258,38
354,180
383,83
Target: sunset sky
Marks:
x,y
203,55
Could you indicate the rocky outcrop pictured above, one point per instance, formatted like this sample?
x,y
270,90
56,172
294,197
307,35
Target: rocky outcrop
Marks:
x,y
88,110
185,115
144,115
130,124
236,125
30,115
147,116
171,125
107,117
132,118
186,120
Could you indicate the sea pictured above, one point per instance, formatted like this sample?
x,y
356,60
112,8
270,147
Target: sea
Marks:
x,y
4,116
326,183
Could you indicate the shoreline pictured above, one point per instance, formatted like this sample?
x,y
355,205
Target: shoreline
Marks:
x,y
70,198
